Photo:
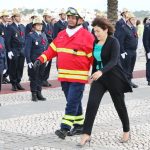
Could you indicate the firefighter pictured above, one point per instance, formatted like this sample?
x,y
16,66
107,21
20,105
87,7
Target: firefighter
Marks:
x,y
74,53
15,46
3,33
48,30
36,43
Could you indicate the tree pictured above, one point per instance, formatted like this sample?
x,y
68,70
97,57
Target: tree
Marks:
x,y
112,10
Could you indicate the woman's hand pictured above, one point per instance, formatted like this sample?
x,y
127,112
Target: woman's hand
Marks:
x,y
96,75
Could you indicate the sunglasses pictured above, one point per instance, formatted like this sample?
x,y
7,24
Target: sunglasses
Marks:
x,y
72,11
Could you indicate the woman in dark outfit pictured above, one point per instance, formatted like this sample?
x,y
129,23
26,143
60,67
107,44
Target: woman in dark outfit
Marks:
x,y
107,75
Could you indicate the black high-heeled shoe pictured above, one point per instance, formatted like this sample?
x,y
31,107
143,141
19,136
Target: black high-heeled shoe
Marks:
x,y
86,141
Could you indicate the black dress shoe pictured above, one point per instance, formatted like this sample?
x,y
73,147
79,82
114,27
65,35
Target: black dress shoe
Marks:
x,y
5,80
148,84
40,96
19,87
46,84
76,131
133,85
62,133
14,88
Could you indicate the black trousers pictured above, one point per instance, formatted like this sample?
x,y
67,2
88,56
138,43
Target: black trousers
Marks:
x,y
16,67
36,77
128,64
47,71
96,93
1,76
147,69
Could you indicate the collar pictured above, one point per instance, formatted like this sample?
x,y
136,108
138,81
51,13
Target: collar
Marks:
x,y
71,32
39,33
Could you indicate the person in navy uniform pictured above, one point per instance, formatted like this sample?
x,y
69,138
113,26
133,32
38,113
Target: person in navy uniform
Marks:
x,y
36,43
48,30
128,44
29,25
61,24
121,22
146,43
15,43
3,59
3,33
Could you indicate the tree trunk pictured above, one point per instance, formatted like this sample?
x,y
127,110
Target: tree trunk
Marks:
x,y
112,10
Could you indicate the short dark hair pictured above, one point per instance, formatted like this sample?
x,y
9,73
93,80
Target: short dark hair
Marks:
x,y
104,24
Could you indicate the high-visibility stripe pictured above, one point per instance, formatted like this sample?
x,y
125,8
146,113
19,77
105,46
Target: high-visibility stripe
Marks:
x,y
67,122
73,71
71,51
89,55
44,57
69,117
79,122
53,46
79,117
72,76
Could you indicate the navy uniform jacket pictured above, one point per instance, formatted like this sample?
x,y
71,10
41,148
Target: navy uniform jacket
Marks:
x,y
28,28
35,45
128,39
3,32
3,60
16,39
59,26
146,38
119,24
48,30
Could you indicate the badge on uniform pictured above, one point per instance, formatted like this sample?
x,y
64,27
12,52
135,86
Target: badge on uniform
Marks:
x,y
36,43
16,35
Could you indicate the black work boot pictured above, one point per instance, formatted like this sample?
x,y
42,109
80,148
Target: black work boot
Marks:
x,y
40,96
77,130
34,97
62,133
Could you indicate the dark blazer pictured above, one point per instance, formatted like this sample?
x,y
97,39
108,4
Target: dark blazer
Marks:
x,y
28,28
59,26
113,74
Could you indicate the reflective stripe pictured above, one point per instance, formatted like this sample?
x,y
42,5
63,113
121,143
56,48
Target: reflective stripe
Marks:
x,y
73,76
89,55
53,46
67,122
69,117
79,117
73,71
44,57
71,51
79,122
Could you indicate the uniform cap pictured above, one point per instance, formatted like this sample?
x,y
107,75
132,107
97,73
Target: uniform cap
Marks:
x,y
4,13
37,20
16,12
62,11
47,12
35,13
124,10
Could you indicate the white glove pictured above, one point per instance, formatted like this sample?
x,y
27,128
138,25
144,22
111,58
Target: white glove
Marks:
x,y
10,54
123,55
4,71
148,55
30,65
46,63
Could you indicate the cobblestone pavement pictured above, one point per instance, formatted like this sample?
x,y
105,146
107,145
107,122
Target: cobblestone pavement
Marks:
x,y
26,125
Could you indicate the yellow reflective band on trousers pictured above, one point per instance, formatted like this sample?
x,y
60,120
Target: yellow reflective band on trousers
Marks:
x,y
67,76
73,72
69,117
80,122
71,51
67,122
79,117
53,46
44,57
